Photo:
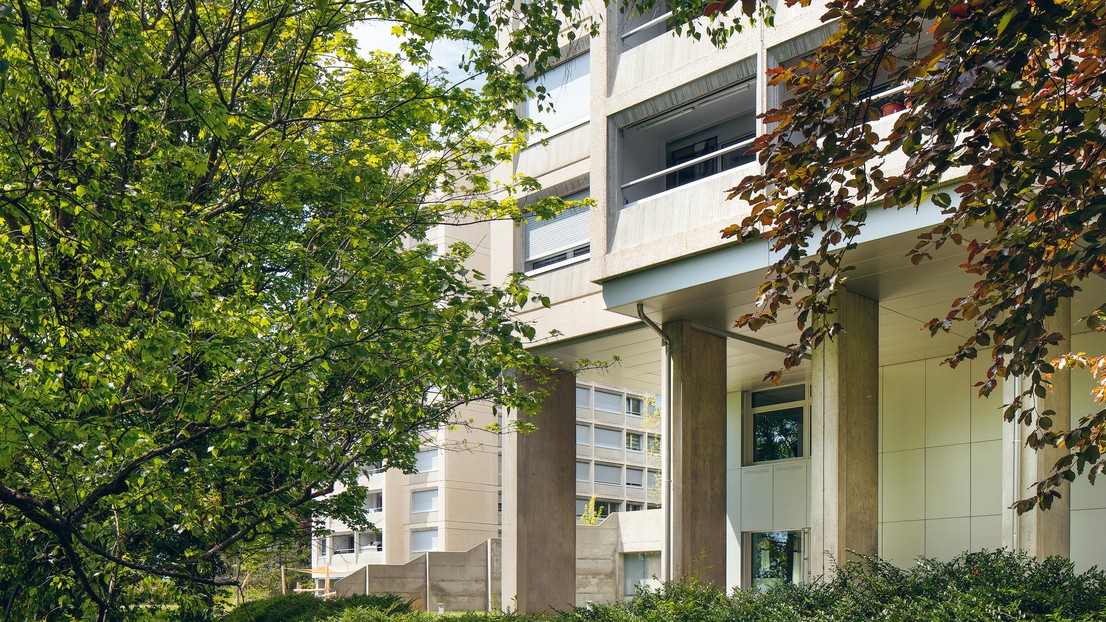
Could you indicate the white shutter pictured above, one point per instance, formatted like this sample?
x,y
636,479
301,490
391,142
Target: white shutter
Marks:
x,y
565,232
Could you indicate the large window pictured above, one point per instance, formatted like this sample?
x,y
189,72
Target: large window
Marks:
x,y
424,500
607,401
583,471
634,477
583,435
639,570
635,406
560,239
424,540
374,501
608,474
611,439
343,543
777,424
776,558
568,88
426,461
583,397
633,441
371,541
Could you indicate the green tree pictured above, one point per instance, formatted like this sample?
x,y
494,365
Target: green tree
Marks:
x,y
1004,133
214,305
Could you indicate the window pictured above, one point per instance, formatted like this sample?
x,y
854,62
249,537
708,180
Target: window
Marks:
x,y
583,472
342,543
322,547
606,507
654,444
424,540
634,477
556,240
581,506
424,500
611,439
426,461
583,397
776,558
583,435
568,88
777,426
654,480
374,501
634,507
639,570
608,474
633,441
635,406
371,541
373,469
499,502
609,402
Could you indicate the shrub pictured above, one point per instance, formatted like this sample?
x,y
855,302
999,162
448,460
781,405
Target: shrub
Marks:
x,y
306,607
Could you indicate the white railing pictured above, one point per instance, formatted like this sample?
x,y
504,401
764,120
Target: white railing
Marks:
x,y
646,26
699,160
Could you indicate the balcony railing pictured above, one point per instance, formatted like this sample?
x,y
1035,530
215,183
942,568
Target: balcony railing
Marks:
x,y
676,168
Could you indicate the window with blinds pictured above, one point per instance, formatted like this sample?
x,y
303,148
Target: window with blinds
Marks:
x,y
552,241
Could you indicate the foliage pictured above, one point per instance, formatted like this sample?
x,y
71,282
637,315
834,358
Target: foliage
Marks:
x,y
1004,135
306,607
591,515
974,586
214,306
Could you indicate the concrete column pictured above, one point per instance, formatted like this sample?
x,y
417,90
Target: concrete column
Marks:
x,y
1039,533
539,505
844,437
698,442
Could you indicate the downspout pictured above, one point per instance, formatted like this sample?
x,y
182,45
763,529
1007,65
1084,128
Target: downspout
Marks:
x,y
1015,538
666,444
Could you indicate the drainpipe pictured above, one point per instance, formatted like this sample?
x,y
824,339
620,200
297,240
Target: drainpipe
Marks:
x,y
1017,478
666,444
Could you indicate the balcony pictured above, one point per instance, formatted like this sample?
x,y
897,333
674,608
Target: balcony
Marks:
x,y
677,166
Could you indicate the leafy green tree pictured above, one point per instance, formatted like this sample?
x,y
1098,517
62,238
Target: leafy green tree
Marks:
x,y
214,305
1004,133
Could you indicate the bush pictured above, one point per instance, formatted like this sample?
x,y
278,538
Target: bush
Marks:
x,y
306,607
974,586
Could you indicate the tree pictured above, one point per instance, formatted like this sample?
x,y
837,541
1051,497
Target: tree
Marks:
x,y
214,304
1006,109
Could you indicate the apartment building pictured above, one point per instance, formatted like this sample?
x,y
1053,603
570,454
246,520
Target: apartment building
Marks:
x,y
454,501
872,446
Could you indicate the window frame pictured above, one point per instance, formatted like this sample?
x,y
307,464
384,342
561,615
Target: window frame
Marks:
x,y
747,419
747,555
617,446
436,496
638,447
434,546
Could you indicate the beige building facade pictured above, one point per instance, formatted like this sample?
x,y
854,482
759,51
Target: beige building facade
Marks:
x,y
873,445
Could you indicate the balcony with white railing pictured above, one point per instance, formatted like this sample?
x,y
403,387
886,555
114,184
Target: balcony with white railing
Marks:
x,y
676,167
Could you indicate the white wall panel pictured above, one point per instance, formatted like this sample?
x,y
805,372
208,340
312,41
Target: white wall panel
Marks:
x,y
904,485
986,482
948,537
790,496
948,419
948,490
756,498
1088,547
986,412
904,406
986,532
903,541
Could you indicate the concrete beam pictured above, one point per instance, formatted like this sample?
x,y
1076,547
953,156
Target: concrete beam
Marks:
x,y
844,437
698,442
539,505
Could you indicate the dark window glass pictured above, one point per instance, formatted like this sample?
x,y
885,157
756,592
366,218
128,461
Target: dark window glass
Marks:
x,y
782,395
778,435
777,558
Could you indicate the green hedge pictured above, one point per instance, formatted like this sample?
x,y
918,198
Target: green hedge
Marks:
x,y
985,586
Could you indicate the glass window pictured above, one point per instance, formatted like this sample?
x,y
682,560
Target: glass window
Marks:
x,y
634,507
554,240
639,570
654,480
581,506
608,474
782,395
322,547
777,558
634,477
342,543
371,541
583,397
374,501
583,471
609,402
654,444
611,439
635,406
426,461
606,507
424,500
568,89
583,435
424,540
633,441
778,434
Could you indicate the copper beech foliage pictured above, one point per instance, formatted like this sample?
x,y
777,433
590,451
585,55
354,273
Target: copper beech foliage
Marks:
x,y
1004,133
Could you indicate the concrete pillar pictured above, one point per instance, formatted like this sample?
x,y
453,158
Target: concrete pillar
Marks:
x,y
539,505
1039,533
698,442
844,437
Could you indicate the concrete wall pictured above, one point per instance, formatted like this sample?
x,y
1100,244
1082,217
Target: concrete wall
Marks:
x,y
940,462
458,581
598,576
